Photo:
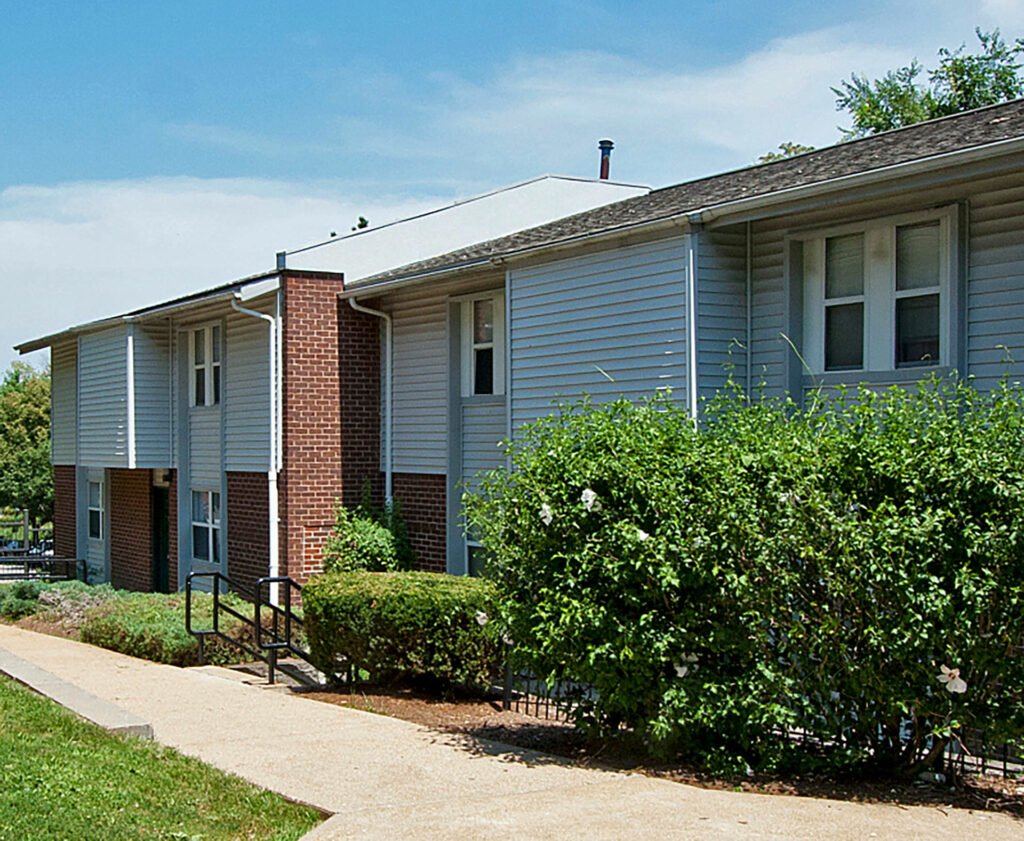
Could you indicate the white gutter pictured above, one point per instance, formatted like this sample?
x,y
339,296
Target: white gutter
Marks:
x,y
388,438
130,377
274,460
750,304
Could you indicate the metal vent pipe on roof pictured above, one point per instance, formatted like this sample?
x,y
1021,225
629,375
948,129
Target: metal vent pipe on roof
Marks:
x,y
606,147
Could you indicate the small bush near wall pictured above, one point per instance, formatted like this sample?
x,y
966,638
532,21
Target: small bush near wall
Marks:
x,y
854,570
368,538
404,624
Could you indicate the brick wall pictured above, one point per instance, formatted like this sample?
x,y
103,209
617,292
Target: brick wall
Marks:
x,y
172,535
311,420
359,374
248,528
65,541
423,500
131,533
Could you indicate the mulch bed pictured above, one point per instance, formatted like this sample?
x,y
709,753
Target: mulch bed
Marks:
x,y
481,718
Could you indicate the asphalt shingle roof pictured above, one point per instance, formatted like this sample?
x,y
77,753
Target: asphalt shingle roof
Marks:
x,y
948,134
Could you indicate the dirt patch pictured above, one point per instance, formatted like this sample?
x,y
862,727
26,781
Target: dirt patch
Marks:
x,y
46,626
477,718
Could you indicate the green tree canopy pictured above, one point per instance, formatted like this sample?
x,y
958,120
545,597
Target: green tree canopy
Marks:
x,y
962,81
26,477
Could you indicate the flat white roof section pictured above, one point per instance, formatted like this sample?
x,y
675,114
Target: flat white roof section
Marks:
x,y
372,250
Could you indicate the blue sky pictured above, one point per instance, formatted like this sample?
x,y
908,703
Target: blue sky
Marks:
x,y
150,149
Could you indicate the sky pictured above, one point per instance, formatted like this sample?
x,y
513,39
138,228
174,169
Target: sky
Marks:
x,y
152,149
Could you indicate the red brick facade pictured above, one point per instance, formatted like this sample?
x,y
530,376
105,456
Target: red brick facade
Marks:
x,y
65,540
423,501
131,530
172,534
311,401
248,527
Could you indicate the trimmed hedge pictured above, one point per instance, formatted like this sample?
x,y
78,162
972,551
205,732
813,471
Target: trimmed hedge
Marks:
x,y
404,624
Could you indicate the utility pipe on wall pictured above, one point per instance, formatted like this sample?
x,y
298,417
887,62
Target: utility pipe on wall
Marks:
x,y
274,461
387,392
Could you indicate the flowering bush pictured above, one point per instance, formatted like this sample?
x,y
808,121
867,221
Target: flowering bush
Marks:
x,y
854,569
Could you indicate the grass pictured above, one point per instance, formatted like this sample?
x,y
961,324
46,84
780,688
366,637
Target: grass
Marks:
x,y
64,778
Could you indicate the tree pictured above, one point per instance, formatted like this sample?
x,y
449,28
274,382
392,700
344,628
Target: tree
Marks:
x,y
26,477
785,150
960,82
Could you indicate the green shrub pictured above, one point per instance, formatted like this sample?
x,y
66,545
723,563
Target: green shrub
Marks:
x,y
404,624
20,598
152,626
775,568
358,542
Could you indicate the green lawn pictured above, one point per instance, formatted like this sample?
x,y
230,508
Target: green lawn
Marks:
x,y
62,778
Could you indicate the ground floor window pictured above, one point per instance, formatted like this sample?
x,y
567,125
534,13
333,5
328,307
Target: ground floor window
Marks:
x,y
96,510
206,526
476,559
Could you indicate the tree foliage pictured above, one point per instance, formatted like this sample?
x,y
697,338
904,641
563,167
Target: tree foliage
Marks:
x,y
785,150
961,81
852,570
26,477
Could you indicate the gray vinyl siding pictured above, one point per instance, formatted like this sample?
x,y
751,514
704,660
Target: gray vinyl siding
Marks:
x,y
483,429
204,448
103,399
152,395
246,394
768,351
64,403
721,308
621,311
420,374
995,314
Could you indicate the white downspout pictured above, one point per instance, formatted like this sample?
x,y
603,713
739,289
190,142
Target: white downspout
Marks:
x,y
387,392
691,313
130,377
274,461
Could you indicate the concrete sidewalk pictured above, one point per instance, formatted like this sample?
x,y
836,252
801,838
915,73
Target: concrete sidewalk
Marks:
x,y
389,779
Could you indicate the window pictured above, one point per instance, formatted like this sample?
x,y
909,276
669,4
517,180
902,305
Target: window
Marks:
x,y
205,355
877,295
483,344
96,510
206,526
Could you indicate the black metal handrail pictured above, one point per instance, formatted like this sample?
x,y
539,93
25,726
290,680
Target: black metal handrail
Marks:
x,y
268,640
20,566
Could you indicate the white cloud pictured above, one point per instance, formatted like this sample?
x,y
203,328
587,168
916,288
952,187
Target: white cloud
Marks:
x,y
76,252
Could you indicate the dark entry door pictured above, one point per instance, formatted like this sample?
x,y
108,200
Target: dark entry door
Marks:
x,y
161,535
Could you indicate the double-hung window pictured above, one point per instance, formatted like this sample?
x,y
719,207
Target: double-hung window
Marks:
x,y
877,296
206,526
95,510
483,344
205,353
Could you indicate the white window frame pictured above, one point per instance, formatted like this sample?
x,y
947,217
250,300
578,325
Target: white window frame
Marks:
x,y
211,524
90,508
207,366
469,348
880,293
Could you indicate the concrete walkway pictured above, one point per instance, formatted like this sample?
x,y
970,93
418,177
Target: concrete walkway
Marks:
x,y
388,779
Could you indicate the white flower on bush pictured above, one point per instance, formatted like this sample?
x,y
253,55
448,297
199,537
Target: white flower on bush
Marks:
x,y
590,500
545,514
952,679
689,662
641,535
481,618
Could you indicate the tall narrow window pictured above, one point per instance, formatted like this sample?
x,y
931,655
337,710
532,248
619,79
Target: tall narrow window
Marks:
x,y
918,284
206,379
844,303
483,343
206,526
96,510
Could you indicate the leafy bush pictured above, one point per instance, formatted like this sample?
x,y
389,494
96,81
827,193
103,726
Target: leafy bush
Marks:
x,y
404,624
825,569
152,626
64,602
368,538
20,598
